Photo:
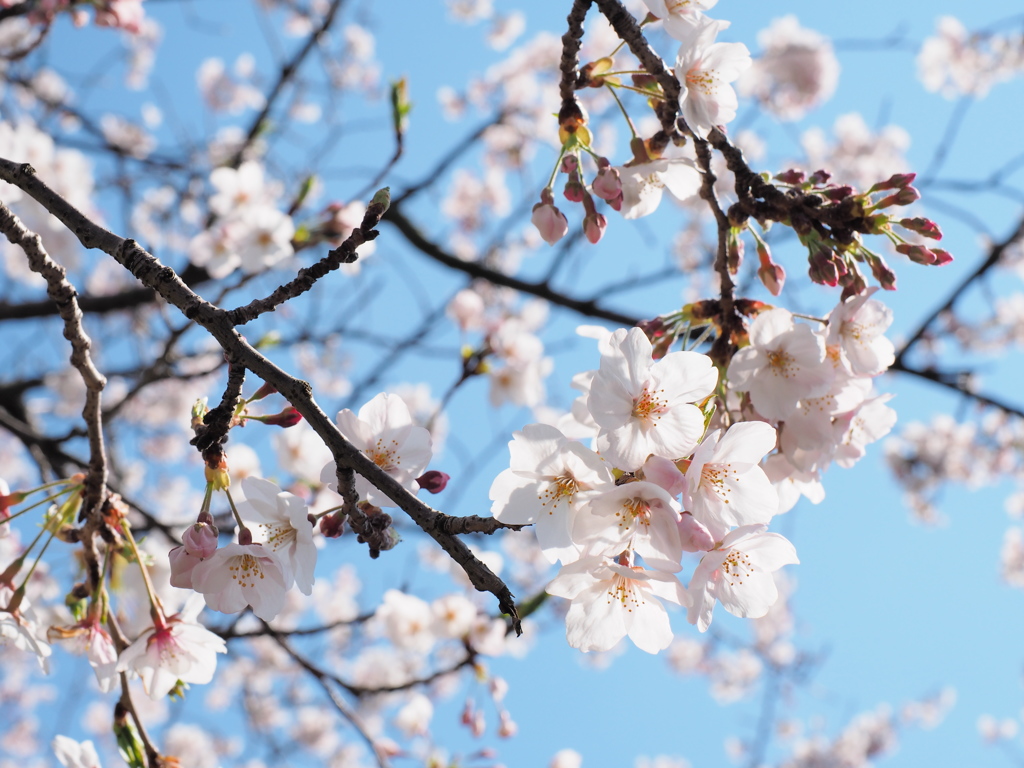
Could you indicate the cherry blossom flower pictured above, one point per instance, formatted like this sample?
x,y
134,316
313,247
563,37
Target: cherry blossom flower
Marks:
x,y
90,638
283,526
797,69
643,184
792,483
725,486
21,628
640,516
407,621
175,649
679,15
75,754
869,423
644,406
265,239
548,480
782,365
384,431
612,601
855,328
810,429
242,574
738,574
705,69
956,62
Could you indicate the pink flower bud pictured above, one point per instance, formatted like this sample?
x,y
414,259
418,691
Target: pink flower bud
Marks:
x,y
916,253
942,258
773,276
905,196
201,540
333,525
838,193
693,535
594,226
896,181
264,391
734,252
882,272
607,185
792,176
664,473
433,481
574,189
853,284
820,177
826,268
549,221
506,725
569,164
289,417
924,227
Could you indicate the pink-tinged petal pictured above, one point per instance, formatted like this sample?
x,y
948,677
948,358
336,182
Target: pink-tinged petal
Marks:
x,y
769,325
596,620
355,431
681,178
753,499
676,433
744,366
688,376
649,627
771,551
534,451
665,474
640,195
610,401
226,601
729,60
208,576
747,442
660,547
383,412
553,535
636,349
750,598
626,447
694,536
575,577
703,607
667,587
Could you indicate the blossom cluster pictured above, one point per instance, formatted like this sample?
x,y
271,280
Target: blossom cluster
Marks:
x,y
705,68
955,62
250,232
681,462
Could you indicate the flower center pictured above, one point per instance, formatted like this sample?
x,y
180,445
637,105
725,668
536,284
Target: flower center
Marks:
x,y
637,510
385,456
781,363
736,567
715,478
649,406
246,570
562,488
703,80
623,591
278,535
